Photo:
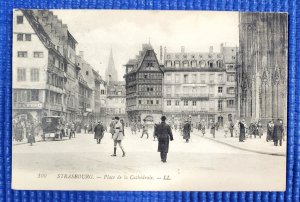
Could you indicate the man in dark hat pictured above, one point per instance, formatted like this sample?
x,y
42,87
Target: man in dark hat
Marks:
x,y
99,130
164,135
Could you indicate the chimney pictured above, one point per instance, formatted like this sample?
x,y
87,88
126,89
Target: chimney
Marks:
x,y
221,48
81,54
211,49
182,49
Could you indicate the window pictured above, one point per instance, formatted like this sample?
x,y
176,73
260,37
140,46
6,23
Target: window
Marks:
x,y
211,78
140,102
34,95
168,63
202,77
38,54
19,37
220,104
194,78
27,37
177,78
186,103
194,63
22,54
157,102
230,78
219,64
151,102
102,92
168,90
220,78
87,73
34,74
194,103
21,74
233,57
210,64
220,89
230,90
177,102
185,63
177,64
149,64
230,103
145,76
185,78
202,63
168,102
168,78
19,19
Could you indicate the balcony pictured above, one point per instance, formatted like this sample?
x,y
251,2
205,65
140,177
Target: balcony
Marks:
x,y
194,96
27,105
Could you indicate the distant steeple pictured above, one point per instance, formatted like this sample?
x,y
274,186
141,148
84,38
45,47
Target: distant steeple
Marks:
x,y
111,73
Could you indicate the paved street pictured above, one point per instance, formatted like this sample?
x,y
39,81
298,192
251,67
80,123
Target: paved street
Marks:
x,y
212,162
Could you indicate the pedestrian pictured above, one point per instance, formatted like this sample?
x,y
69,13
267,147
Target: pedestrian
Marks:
x,y
260,129
242,127
237,128
123,125
118,136
30,133
164,135
187,131
231,128
203,127
99,131
270,128
72,131
85,128
226,128
133,128
111,127
277,133
212,128
217,126
145,129
199,126
155,131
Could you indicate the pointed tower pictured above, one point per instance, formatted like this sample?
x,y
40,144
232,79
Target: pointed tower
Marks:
x,y
111,73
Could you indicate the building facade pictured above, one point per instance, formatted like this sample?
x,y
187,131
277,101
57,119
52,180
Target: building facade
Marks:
x,y
38,70
116,99
200,85
48,78
262,69
144,81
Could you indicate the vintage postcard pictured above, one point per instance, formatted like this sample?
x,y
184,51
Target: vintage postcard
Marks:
x,y
149,100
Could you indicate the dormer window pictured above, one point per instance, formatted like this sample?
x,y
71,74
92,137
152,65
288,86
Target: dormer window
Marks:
x,y
87,73
219,63
194,63
184,56
177,64
210,64
168,63
185,63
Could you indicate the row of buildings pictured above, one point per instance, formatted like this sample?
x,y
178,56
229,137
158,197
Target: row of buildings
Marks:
x,y
50,79
198,85
249,82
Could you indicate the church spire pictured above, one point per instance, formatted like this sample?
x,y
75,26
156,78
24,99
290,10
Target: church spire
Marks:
x,y
111,73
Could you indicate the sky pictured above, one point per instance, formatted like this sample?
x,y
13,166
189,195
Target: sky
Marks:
x,y
99,31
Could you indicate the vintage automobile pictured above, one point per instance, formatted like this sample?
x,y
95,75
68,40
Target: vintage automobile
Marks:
x,y
52,128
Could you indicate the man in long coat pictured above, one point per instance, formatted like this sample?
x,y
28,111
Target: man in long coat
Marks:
x,y
277,133
212,128
99,130
164,135
187,131
242,127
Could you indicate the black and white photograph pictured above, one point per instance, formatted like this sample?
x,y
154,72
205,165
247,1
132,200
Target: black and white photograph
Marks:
x,y
149,100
